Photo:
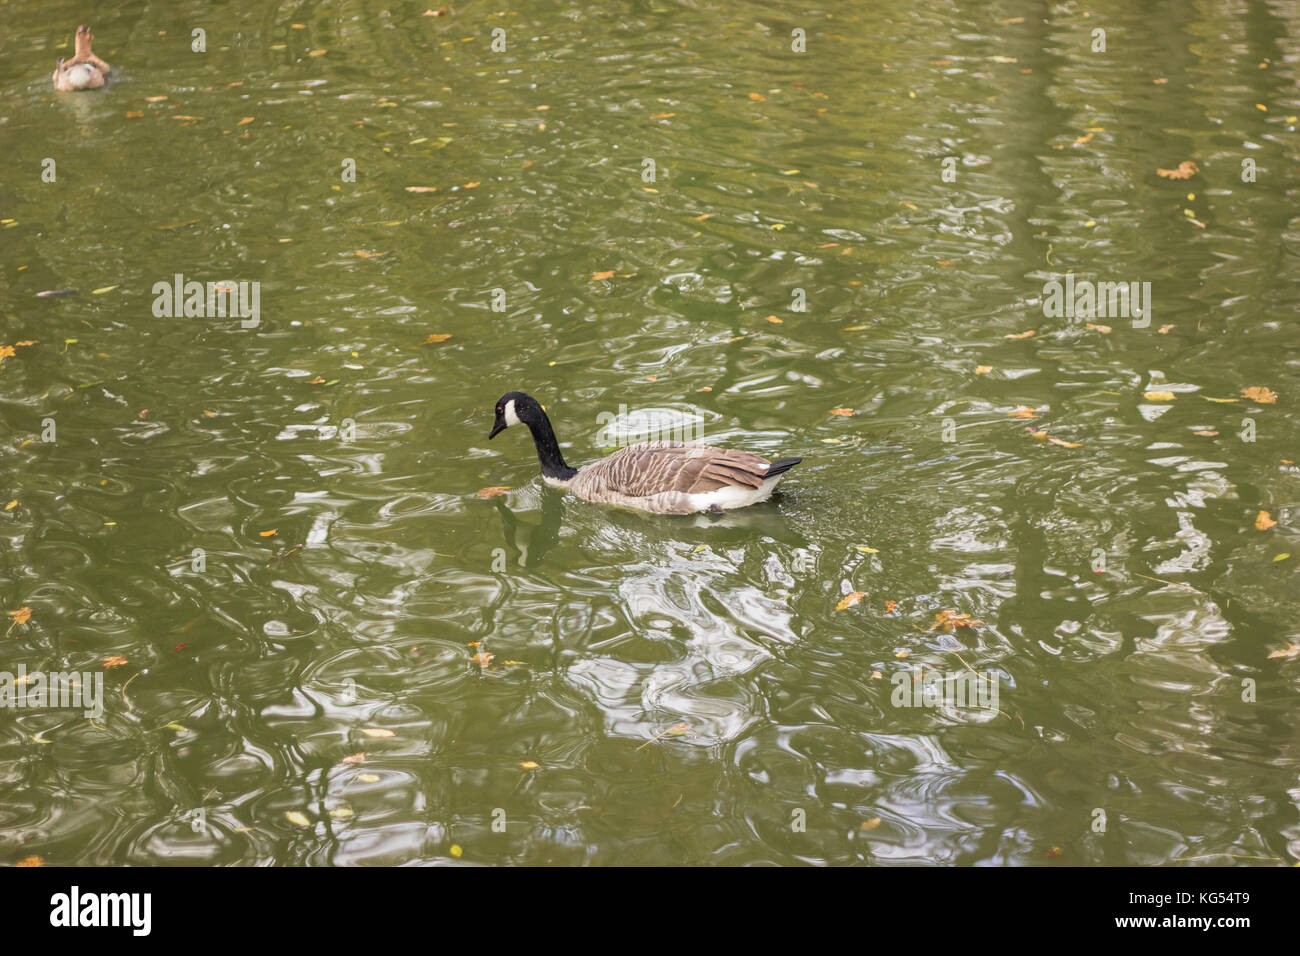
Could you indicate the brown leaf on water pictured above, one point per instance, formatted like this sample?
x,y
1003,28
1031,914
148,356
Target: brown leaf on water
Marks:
x,y
20,616
115,660
440,12
421,189
245,121
846,412
890,606
1186,170
774,320
1082,139
948,620
1023,411
707,215
493,491
316,52
266,534
758,97
316,381
369,255
1103,329
598,276
1165,329
134,114
436,337
482,659
849,600
359,757
1040,435
1290,652
1020,335
1258,393
983,369
1264,521
1054,852
30,861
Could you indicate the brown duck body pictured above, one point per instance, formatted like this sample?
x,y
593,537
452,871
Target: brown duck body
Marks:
x,y
677,478
85,71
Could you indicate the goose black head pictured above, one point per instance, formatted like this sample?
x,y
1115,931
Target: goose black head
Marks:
x,y
514,408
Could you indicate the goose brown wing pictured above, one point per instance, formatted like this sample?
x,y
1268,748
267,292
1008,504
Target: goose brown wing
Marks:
x,y
652,468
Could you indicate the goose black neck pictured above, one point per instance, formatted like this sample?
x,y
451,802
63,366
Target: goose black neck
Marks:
x,y
548,450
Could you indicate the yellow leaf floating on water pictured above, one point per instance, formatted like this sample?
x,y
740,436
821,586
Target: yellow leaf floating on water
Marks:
x,y
1039,434
482,659
983,369
266,534
101,291
1158,396
758,97
1264,521
1281,557
528,764
1258,393
436,337
21,616
114,661
12,505
455,851
421,189
1020,335
865,550
849,600
377,732
368,777
598,276
245,121
846,412
870,824
297,818
341,813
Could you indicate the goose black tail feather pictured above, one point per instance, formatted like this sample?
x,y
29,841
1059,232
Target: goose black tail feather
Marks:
x,y
781,467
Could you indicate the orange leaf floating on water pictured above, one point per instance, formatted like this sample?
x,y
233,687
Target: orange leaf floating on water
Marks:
x,y
983,369
1083,139
440,12
758,97
1264,521
472,185
661,115
528,764
849,600
889,606
1020,335
12,505
1041,435
1186,170
21,616
846,412
1286,653
30,861
421,189
7,351
1164,329
1055,852
598,276
134,114
114,661
948,620
493,491
266,534
245,121
436,337
482,658
1258,393
369,255
774,320
316,381
1103,329
1023,411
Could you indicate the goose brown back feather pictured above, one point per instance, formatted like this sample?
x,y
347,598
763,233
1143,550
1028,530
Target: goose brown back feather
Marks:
x,y
657,467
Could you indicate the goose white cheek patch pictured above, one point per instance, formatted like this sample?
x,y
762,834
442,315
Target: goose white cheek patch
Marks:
x,y
511,417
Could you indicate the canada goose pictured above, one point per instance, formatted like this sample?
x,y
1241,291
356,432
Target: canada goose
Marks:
x,y
85,71
665,477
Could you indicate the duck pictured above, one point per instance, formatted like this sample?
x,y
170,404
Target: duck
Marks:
x,y
662,477
85,71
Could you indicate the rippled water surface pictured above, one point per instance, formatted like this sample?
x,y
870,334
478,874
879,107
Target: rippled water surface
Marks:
x,y
367,663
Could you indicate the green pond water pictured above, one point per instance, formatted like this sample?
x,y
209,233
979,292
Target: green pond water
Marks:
x,y
679,211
